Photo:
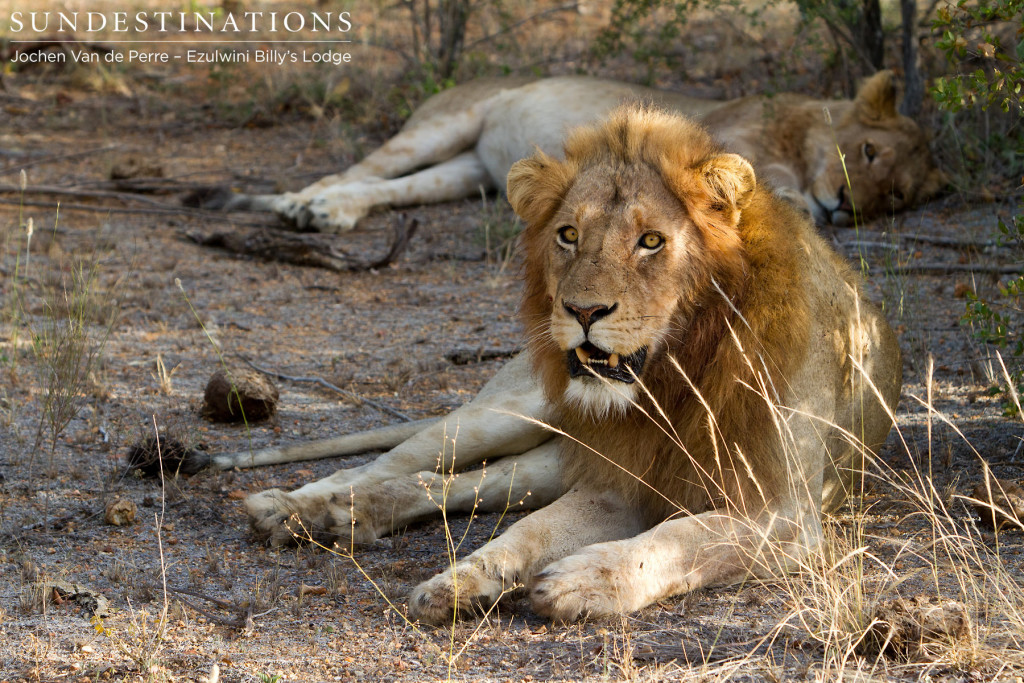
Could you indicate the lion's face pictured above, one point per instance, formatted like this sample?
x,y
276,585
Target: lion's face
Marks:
x,y
885,165
618,255
610,244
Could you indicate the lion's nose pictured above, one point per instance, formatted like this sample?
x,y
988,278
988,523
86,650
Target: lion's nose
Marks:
x,y
588,315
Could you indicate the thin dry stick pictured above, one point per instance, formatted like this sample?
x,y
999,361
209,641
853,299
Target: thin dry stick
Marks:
x,y
943,268
324,383
941,241
16,167
165,210
78,192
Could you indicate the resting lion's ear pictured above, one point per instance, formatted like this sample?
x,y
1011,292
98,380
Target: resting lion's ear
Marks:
x,y
878,97
729,182
535,187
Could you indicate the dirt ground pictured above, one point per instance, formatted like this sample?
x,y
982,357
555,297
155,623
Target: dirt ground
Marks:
x,y
387,335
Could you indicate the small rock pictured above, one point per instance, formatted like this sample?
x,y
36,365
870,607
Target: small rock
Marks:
x,y
999,503
120,512
239,394
135,166
909,630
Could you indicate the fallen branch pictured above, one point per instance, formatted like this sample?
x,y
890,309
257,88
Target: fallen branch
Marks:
x,y
300,249
307,249
333,387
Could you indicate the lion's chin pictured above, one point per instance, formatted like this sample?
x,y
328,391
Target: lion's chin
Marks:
x,y
599,398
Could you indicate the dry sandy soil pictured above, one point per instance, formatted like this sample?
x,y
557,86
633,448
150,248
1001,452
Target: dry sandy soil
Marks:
x,y
385,335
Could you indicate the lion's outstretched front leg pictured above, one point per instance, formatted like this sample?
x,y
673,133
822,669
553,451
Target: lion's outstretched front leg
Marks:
x,y
507,564
366,511
675,557
392,491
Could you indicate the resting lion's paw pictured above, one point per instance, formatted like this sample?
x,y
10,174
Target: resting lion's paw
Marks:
x,y
590,583
275,517
292,208
467,590
281,518
334,213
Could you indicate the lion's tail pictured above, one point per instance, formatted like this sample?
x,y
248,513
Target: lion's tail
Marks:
x,y
223,198
381,439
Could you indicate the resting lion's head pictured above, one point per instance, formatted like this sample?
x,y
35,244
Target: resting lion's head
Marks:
x,y
633,249
886,165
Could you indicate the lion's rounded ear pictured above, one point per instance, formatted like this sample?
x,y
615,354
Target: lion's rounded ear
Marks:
x,y
729,181
535,186
878,97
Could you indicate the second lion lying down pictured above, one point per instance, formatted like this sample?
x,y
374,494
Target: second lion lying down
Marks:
x,y
713,366
865,158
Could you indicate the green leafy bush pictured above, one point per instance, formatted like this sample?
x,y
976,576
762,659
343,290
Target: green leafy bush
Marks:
x,y
985,43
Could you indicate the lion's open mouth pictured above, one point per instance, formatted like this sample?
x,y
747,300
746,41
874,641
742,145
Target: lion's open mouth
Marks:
x,y
586,359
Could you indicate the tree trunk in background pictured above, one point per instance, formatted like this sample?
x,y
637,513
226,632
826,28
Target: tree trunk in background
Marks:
x,y
452,15
913,98
872,36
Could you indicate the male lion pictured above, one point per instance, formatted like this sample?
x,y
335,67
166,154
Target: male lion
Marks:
x,y
468,137
713,365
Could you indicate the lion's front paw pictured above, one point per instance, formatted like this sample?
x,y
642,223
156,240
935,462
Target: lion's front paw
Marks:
x,y
335,210
469,589
281,518
292,208
593,582
333,215
275,517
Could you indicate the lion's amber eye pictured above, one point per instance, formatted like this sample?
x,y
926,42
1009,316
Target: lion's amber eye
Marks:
x,y
568,234
869,152
651,240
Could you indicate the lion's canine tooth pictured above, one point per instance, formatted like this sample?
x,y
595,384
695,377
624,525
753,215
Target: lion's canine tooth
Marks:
x,y
613,360
582,355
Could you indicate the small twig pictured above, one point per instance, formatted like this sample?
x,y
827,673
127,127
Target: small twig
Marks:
x,y
223,604
237,622
324,383
402,232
